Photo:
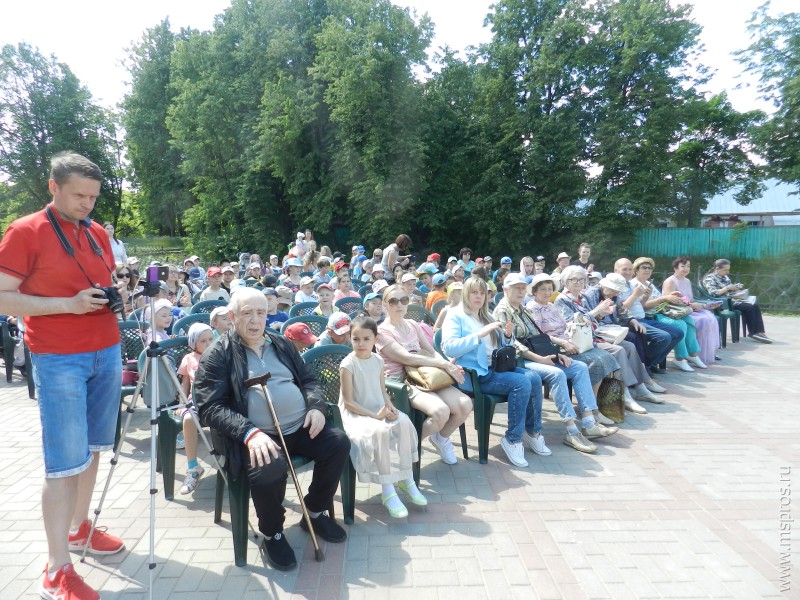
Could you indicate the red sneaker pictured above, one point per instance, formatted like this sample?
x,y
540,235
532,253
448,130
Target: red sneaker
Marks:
x,y
66,585
101,542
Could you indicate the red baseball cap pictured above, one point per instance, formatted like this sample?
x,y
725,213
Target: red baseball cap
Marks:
x,y
434,256
300,332
213,271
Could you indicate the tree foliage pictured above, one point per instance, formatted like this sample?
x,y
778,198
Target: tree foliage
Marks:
x,y
774,56
44,110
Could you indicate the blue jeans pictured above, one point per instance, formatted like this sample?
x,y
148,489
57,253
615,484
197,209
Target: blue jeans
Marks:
x,y
661,339
524,390
556,377
79,398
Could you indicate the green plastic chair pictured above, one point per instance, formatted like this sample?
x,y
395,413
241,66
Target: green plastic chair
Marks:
x,y
303,308
181,326
483,404
437,307
419,314
723,314
207,306
348,305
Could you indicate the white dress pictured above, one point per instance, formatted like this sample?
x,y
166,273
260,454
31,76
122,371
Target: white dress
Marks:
x,y
381,451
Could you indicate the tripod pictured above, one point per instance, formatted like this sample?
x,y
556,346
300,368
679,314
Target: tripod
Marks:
x,y
155,360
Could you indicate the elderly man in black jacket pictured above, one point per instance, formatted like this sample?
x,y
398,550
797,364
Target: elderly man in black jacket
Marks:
x,y
251,439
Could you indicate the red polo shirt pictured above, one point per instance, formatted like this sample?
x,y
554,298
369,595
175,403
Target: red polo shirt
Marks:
x,y
31,251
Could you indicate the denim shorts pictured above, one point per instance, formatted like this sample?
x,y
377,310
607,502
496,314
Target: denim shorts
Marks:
x,y
79,402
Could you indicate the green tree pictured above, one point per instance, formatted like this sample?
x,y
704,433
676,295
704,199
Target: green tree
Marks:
x,y
44,110
775,57
713,156
163,193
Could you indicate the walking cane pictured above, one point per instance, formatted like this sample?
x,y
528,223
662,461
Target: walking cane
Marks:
x,y
262,381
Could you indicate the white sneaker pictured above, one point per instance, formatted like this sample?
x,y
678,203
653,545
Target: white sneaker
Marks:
x,y
445,448
180,442
536,444
599,430
634,407
602,419
682,365
190,481
695,360
514,452
654,387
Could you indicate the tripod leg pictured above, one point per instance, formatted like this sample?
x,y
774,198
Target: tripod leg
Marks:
x,y
117,450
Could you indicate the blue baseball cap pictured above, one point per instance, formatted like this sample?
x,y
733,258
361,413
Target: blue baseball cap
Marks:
x,y
439,279
371,296
506,260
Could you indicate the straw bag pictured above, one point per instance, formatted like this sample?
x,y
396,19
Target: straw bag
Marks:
x,y
430,379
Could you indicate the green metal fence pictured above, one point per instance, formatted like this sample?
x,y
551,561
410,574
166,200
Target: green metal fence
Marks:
x,y
735,242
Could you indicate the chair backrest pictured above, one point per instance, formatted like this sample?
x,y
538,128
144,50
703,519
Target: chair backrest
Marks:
x,y
207,306
315,323
324,362
497,297
131,339
356,284
437,343
196,297
365,289
307,274
348,305
302,308
138,314
181,326
437,307
419,314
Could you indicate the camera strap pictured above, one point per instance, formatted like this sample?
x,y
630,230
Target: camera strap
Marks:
x,y
68,247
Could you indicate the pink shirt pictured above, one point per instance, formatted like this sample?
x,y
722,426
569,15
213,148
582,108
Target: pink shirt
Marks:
x,y
188,368
388,333
338,295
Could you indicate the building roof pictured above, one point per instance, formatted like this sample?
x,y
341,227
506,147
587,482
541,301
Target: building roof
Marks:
x,y
778,198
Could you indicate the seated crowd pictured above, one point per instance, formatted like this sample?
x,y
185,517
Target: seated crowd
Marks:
x,y
569,330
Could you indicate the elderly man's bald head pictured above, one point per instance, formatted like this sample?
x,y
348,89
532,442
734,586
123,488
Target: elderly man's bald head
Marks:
x,y
624,267
246,297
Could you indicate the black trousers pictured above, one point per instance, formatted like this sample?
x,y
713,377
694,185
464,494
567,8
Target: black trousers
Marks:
x,y
330,451
751,313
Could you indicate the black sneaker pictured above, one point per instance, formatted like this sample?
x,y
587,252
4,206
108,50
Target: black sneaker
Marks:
x,y
279,553
326,528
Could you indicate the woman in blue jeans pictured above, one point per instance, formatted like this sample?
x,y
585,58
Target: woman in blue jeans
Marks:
x,y
554,369
470,335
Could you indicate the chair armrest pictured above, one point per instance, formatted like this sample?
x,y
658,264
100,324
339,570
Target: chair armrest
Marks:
x,y
399,393
334,415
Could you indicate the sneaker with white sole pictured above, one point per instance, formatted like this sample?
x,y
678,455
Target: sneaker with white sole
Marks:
x,y
579,442
66,584
101,542
191,479
536,444
514,452
695,360
444,446
599,430
180,442
654,387
682,365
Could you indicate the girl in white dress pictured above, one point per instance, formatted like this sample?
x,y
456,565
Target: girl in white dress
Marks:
x,y
383,440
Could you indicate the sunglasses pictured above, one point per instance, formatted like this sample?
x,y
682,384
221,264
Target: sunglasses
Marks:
x,y
127,275
395,301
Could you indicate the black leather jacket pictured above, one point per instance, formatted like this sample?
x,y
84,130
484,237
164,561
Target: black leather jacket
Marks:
x,y
221,398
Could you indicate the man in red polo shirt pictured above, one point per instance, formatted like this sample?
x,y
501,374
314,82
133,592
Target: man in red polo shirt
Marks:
x,y
74,343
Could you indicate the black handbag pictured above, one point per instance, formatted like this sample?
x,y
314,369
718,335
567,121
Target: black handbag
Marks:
x,y
540,343
504,359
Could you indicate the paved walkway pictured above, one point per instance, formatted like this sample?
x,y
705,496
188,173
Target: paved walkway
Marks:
x,y
684,502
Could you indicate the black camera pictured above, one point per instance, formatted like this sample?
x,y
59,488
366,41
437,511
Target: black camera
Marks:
x,y
115,304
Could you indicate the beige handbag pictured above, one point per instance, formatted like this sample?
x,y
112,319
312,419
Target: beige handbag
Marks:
x,y
580,333
430,379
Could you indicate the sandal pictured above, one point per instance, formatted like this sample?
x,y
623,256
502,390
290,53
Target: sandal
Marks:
x,y
398,512
416,498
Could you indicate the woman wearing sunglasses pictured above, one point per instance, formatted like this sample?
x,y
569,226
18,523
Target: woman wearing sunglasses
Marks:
x,y
125,274
401,343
